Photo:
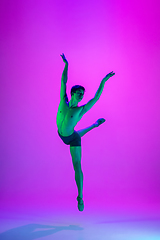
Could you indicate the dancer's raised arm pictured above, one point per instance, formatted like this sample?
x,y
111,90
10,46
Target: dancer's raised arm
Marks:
x,y
104,80
90,104
64,77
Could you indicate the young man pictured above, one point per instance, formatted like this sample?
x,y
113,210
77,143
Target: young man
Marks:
x,y
69,114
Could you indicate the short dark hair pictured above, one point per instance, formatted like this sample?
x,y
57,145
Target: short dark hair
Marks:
x,y
75,88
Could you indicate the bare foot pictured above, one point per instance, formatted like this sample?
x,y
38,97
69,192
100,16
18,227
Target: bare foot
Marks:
x,y
99,122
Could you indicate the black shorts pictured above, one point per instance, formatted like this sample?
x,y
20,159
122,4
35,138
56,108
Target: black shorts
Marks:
x,y
73,140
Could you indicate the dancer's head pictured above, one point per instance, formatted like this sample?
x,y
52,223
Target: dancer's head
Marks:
x,y
77,92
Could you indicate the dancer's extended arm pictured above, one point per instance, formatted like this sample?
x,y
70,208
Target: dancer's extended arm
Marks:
x,y
64,77
90,104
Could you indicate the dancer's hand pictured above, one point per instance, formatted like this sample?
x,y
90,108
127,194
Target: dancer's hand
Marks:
x,y
64,58
111,74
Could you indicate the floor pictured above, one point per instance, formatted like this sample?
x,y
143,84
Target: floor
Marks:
x,y
61,224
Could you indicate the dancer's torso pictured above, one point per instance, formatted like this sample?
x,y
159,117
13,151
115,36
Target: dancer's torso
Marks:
x,y
67,118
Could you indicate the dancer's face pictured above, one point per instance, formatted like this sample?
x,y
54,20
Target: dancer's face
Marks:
x,y
79,95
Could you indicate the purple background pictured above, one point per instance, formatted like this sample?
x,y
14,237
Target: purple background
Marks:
x,y
120,159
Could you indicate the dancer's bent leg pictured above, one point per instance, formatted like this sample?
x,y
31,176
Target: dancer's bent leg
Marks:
x,y
82,132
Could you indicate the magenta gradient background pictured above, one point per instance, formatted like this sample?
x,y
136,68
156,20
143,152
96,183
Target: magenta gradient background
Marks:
x,y
121,158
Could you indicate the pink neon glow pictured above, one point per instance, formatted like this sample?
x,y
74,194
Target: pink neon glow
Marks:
x,y
120,158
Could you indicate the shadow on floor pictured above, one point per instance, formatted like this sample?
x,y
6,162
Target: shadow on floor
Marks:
x,y
33,231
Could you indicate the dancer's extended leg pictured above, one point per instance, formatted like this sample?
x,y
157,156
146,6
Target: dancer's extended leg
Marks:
x,y
76,159
82,132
